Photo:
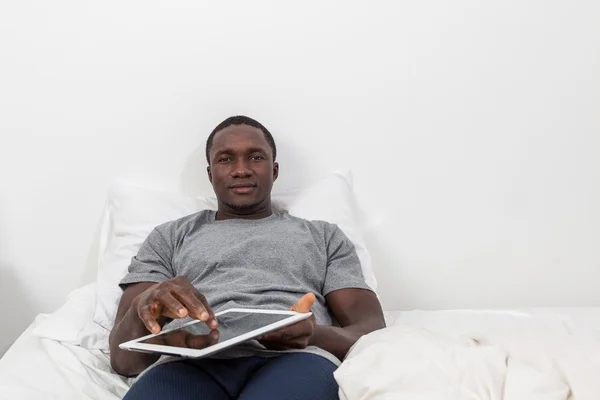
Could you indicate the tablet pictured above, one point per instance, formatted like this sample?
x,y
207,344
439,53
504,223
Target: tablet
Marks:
x,y
195,339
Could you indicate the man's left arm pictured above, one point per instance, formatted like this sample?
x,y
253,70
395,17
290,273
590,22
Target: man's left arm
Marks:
x,y
355,307
357,311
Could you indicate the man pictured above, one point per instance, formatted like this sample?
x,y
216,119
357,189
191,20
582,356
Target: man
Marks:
x,y
244,255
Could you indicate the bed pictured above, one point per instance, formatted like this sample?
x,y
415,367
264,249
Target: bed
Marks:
x,y
40,366
537,353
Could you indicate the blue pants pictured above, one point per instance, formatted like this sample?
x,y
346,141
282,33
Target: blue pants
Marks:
x,y
293,376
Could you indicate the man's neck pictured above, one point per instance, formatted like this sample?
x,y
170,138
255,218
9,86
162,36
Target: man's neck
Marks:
x,y
225,212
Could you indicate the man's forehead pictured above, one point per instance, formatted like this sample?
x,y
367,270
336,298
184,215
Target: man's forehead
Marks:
x,y
235,136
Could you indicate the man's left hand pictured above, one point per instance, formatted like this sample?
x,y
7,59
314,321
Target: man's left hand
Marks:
x,y
296,336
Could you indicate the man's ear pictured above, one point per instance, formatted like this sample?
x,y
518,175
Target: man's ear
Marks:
x,y
275,171
209,174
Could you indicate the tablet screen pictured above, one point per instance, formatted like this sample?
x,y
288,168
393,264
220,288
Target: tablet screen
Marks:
x,y
231,325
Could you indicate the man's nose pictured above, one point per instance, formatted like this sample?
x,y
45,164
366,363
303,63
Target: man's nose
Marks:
x,y
241,170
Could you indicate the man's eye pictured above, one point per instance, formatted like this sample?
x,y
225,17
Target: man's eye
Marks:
x,y
223,159
257,158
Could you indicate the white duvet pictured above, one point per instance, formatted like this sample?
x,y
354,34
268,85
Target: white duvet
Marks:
x,y
508,355
41,368
412,362
62,356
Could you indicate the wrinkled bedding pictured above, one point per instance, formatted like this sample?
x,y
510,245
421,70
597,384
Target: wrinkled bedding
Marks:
x,y
500,355
496,355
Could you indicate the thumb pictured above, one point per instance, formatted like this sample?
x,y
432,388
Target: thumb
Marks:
x,y
304,304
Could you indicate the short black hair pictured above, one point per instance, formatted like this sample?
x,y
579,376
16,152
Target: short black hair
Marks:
x,y
240,120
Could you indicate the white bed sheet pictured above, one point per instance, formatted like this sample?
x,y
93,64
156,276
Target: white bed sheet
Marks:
x,y
36,367
41,368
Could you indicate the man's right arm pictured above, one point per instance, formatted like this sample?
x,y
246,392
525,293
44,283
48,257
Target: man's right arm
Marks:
x,y
144,308
129,326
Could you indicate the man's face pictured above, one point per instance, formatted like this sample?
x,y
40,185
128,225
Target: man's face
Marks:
x,y
242,170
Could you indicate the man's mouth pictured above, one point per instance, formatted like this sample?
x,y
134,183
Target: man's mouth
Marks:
x,y
242,187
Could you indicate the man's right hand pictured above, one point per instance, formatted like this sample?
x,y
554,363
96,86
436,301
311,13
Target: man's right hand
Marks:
x,y
175,298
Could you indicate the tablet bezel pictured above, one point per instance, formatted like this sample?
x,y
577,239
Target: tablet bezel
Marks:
x,y
135,345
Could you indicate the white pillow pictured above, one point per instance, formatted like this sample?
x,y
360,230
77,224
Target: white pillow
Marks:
x,y
134,212
332,199
65,323
73,322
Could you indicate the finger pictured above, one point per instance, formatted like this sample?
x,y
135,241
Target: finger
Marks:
x,y
269,337
278,345
190,301
171,305
176,338
272,336
296,331
197,305
169,314
211,320
305,303
202,341
280,335
274,345
147,315
159,340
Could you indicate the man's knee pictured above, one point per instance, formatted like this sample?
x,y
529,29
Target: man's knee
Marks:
x,y
175,380
294,376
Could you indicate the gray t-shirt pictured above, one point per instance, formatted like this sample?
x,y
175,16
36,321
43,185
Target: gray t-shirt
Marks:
x,y
266,263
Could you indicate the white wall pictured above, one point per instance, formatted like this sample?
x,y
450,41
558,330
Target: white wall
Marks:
x,y
473,129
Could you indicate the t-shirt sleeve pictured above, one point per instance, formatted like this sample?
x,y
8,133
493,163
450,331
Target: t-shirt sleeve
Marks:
x,y
343,265
152,262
